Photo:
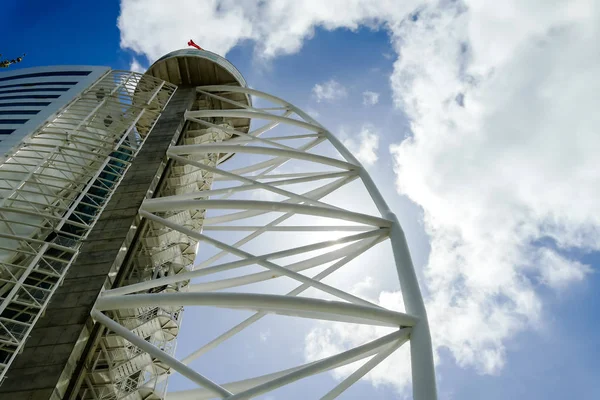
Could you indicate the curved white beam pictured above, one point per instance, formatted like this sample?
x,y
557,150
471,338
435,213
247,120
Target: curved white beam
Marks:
x,y
273,304
277,269
328,363
323,365
363,370
242,188
317,193
197,273
249,321
164,357
251,114
167,204
254,183
292,154
423,371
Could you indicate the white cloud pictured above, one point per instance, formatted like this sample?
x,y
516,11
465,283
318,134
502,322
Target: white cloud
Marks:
x,y
312,112
276,27
140,20
136,66
331,90
265,335
370,98
503,99
364,146
503,102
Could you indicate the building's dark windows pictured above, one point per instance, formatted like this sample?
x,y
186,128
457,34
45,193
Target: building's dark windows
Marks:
x,y
62,83
19,112
13,121
45,74
31,96
6,131
41,89
26,104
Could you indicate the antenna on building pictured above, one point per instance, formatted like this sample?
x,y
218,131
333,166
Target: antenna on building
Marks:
x,y
7,63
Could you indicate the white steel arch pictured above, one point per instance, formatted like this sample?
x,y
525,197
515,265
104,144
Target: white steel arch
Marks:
x,y
321,165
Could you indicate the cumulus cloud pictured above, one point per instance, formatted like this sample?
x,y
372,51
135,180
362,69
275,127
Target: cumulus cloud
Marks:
x,y
265,335
276,27
136,66
370,98
364,145
155,27
312,112
503,102
331,90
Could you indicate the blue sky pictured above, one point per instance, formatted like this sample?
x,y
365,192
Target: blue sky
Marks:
x,y
547,180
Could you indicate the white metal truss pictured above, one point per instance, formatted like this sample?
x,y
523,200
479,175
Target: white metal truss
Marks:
x,y
281,181
55,184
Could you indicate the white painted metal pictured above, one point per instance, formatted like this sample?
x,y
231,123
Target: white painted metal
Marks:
x,y
54,185
302,175
364,369
275,379
249,321
286,305
322,365
154,352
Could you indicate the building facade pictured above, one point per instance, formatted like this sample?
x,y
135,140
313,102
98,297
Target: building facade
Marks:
x,y
30,97
110,179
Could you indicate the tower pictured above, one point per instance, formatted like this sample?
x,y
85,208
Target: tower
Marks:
x,y
133,196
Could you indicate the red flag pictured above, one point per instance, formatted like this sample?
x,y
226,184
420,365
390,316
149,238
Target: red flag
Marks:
x,y
191,43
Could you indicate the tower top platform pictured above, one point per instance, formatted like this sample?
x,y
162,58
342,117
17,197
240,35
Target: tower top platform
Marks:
x,y
196,68
193,67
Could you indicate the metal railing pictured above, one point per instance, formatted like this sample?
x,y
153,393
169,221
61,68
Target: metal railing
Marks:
x,y
56,183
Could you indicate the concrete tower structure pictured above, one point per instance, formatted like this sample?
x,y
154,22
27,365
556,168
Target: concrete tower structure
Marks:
x,y
116,199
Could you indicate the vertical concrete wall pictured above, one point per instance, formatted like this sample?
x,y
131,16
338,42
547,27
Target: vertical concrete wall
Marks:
x,y
44,369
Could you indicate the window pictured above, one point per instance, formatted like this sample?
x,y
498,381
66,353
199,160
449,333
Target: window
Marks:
x,y
31,96
26,104
19,112
62,83
34,90
44,74
13,121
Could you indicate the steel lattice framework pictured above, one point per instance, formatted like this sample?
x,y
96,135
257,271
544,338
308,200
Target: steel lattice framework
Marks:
x,y
55,184
296,165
